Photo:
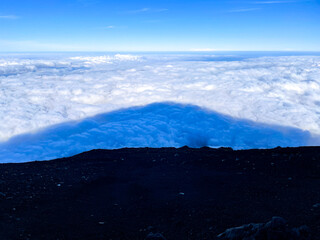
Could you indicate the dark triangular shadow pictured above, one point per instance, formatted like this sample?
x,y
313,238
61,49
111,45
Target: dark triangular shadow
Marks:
x,y
155,125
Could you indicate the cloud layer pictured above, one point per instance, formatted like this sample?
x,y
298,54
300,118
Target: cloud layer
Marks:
x,y
155,125
37,91
8,17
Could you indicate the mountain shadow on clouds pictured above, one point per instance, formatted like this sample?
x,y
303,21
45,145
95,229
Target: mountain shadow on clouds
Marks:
x,y
154,125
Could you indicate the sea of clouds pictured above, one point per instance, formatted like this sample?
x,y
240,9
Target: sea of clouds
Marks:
x,y
47,90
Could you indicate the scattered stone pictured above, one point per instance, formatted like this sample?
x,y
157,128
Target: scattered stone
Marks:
x,y
317,205
275,229
155,236
101,223
302,232
239,233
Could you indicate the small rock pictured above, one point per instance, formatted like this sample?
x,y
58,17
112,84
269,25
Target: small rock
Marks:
x,y
302,232
276,223
155,236
317,205
101,223
240,232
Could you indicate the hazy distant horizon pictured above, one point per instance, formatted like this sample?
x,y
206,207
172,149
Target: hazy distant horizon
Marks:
x,y
173,52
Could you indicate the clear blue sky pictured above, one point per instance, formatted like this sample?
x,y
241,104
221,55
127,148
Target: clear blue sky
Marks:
x,y
159,25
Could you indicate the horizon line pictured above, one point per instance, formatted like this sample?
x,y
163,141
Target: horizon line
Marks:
x,y
152,51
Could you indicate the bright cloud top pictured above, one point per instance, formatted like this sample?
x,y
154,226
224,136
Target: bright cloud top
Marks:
x,y
40,91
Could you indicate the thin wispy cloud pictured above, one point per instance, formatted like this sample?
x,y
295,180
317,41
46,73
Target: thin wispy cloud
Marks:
x,y
11,17
160,10
111,27
147,10
278,2
243,10
140,10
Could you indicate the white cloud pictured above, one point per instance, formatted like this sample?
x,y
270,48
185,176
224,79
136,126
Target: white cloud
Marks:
x,y
39,91
108,27
278,2
141,10
244,10
105,59
12,17
161,10
147,10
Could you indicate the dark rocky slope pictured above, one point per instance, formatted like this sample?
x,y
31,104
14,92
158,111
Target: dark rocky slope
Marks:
x,y
176,193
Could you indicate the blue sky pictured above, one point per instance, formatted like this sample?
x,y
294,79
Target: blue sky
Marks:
x,y
159,25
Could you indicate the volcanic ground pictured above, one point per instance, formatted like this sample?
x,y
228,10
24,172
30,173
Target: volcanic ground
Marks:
x,y
183,193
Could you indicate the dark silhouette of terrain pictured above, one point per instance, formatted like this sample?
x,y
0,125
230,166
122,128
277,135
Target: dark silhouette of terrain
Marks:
x,y
161,193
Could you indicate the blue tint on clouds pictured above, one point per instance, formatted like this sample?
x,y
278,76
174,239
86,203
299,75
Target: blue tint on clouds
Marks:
x,y
49,102
154,125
